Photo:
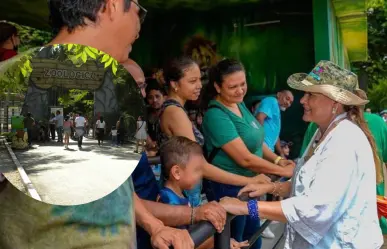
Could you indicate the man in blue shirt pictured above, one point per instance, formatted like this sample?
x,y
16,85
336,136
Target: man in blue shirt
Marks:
x,y
269,115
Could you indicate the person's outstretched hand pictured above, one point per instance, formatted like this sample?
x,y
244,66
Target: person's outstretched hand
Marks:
x,y
285,162
262,178
212,212
255,190
234,206
289,170
165,237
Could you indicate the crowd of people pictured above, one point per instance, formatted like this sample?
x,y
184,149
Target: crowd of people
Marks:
x,y
328,198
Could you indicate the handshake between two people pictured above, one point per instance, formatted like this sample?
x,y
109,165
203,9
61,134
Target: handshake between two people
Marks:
x,y
216,212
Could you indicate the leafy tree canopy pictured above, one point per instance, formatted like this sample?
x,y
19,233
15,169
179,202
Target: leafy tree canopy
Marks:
x,y
376,66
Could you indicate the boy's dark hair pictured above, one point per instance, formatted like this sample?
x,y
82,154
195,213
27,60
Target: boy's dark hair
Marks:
x,y
153,84
177,151
72,13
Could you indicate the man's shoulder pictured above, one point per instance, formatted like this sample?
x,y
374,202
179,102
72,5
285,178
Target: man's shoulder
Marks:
x,y
268,103
269,106
270,100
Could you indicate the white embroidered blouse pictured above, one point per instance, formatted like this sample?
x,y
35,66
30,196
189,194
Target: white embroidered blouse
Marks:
x,y
333,198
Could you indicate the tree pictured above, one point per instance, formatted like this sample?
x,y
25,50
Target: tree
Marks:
x,y
376,66
31,37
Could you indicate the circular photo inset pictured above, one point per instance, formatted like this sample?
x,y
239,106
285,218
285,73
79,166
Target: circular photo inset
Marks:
x,y
70,123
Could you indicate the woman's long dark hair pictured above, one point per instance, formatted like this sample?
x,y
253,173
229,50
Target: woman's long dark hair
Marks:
x,y
101,119
356,115
217,74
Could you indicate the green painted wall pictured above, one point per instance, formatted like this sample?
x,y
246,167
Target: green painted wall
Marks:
x,y
352,19
329,44
270,53
321,18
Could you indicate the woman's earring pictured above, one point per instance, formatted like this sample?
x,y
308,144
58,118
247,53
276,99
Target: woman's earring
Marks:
x,y
334,111
175,89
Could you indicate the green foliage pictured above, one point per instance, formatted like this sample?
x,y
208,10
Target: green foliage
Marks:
x,y
376,66
8,135
14,73
79,54
375,3
76,100
31,37
378,95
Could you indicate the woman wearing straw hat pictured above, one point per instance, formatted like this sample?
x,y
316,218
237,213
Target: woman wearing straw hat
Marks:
x,y
332,196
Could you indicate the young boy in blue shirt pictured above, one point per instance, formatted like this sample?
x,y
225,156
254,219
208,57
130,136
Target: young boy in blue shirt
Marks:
x,y
182,161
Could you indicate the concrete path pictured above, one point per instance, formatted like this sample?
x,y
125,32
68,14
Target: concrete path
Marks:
x,y
72,176
278,229
7,165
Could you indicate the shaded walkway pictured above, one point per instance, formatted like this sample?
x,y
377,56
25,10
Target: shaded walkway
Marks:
x,y
70,177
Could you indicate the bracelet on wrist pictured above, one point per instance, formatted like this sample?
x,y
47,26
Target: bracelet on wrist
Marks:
x,y
252,207
274,188
193,215
279,190
277,160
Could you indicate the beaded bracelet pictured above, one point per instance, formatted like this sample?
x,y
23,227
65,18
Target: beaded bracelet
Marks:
x,y
252,206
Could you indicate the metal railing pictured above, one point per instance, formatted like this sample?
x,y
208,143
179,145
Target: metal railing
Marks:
x,y
204,230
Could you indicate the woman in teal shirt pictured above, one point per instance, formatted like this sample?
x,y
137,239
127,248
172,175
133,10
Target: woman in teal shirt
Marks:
x,y
229,126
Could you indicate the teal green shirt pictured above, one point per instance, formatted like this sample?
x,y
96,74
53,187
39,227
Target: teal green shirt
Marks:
x,y
221,126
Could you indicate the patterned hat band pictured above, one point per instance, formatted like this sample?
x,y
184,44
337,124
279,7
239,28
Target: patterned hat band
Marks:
x,y
308,83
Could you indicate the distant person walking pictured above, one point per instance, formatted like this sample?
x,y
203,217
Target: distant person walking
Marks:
x,y
100,128
121,130
114,132
52,126
67,130
141,134
80,122
59,126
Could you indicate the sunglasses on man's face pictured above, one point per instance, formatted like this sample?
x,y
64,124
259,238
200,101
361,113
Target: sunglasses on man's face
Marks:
x,y
141,12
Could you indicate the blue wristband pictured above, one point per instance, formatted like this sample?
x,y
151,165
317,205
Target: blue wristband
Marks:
x,y
252,206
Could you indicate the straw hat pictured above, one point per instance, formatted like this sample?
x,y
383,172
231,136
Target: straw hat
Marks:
x,y
330,80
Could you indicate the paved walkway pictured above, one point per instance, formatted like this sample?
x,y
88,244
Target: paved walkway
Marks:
x,y
277,243
12,175
72,176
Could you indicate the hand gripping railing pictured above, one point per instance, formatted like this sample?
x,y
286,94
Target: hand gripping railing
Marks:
x,y
204,230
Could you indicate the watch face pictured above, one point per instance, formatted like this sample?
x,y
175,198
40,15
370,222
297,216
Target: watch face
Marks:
x,y
58,93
